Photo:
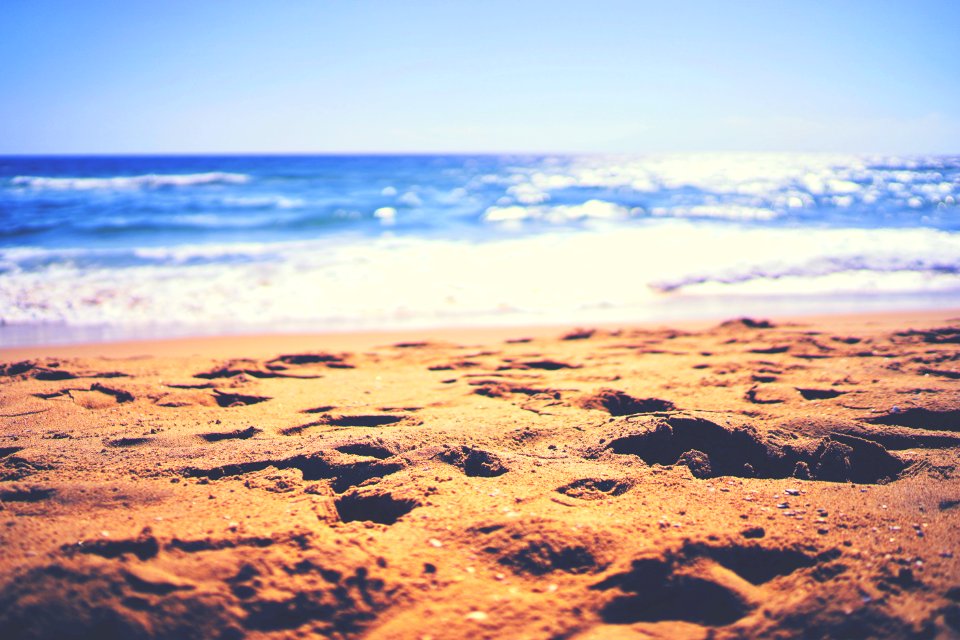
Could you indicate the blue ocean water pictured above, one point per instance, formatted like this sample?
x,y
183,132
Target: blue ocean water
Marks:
x,y
119,247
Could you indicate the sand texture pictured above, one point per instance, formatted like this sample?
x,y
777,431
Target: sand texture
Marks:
x,y
794,479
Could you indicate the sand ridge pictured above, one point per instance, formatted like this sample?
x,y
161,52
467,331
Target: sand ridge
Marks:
x,y
751,479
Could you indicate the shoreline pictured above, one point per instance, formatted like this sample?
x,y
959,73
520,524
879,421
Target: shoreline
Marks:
x,y
262,344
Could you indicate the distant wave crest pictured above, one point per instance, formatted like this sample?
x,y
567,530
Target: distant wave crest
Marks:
x,y
148,181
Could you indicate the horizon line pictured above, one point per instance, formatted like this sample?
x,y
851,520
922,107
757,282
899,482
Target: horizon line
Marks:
x,y
181,154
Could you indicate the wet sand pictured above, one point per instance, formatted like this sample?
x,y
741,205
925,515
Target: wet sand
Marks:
x,y
749,479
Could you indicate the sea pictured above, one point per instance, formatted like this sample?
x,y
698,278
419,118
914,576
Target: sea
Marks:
x,y
115,248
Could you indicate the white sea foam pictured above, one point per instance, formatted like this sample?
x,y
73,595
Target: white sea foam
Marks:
x,y
559,214
861,283
148,181
386,215
612,274
528,193
725,212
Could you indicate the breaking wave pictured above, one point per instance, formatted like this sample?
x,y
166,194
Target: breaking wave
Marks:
x,y
370,241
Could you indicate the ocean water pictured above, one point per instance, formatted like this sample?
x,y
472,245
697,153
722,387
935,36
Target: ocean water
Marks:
x,y
96,248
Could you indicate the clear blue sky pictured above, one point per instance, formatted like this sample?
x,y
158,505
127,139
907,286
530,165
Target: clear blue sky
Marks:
x,y
168,76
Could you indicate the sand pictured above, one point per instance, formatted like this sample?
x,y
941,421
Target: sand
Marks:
x,y
748,479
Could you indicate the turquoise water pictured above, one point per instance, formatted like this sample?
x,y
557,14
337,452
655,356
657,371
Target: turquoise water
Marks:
x,y
105,248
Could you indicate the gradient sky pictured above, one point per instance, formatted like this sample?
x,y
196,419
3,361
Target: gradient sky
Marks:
x,y
361,76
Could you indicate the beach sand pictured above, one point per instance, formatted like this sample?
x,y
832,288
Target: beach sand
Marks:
x,y
747,479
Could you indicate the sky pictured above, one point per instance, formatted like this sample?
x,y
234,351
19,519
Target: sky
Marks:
x,y
357,76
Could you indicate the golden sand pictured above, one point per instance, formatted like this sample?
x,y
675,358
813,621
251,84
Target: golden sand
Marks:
x,y
752,479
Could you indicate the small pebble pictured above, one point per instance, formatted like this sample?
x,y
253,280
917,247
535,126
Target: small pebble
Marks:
x,y
477,616
433,542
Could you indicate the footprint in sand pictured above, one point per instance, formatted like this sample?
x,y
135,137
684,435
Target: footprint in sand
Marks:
x,y
542,546
25,493
376,420
98,396
709,450
711,586
474,462
239,434
379,507
127,442
594,488
921,418
618,403
367,450
228,399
